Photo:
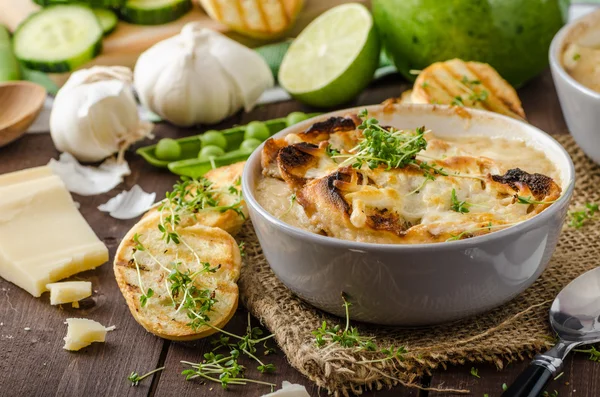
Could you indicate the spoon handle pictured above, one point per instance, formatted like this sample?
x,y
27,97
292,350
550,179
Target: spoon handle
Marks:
x,y
531,382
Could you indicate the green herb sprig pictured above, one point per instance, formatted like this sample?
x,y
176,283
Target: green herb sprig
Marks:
x,y
135,379
225,368
475,372
458,206
579,218
530,200
594,354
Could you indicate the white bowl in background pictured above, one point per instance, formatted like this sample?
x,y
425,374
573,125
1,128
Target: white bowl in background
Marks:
x,y
580,104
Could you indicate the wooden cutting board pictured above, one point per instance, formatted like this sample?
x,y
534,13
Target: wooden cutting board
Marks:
x,y
127,42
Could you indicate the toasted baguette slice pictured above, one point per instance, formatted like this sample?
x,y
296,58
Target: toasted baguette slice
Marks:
x,y
159,316
255,18
472,84
222,178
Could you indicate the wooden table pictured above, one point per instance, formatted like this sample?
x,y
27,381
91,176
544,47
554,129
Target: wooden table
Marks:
x,y
33,363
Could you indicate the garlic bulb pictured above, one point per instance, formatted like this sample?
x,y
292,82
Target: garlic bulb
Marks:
x,y
95,114
200,76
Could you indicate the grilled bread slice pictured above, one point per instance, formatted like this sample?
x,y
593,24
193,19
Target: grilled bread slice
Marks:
x,y
261,19
470,84
222,179
159,315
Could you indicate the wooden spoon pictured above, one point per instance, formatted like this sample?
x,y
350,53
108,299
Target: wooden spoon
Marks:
x,y
20,103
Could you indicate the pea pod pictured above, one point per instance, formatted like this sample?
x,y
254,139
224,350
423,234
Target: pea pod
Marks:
x,y
196,168
190,147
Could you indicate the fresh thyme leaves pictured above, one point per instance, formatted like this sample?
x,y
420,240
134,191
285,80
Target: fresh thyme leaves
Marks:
x,y
475,372
225,368
576,57
458,206
457,101
347,337
135,379
579,218
594,354
425,84
504,387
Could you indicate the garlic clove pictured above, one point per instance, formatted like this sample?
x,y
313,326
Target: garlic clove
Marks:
x,y
129,204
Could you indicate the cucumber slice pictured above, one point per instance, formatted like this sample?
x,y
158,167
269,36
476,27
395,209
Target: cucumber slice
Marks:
x,y
58,38
108,20
9,66
91,3
154,12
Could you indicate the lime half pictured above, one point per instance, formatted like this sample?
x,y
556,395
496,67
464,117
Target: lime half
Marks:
x,y
334,57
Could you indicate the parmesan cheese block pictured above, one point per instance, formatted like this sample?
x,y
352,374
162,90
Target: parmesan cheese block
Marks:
x,y
43,237
69,291
82,332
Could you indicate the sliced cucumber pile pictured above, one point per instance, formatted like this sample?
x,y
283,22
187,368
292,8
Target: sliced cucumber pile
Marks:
x,y
91,3
9,66
154,12
108,20
58,38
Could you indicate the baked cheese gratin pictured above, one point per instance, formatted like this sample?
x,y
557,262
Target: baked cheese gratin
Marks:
x,y
353,179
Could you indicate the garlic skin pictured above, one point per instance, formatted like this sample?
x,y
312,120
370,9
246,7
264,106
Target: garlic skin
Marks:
x,y
200,76
95,114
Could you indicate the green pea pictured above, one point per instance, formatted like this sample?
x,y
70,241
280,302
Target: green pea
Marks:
x,y
257,130
250,144
168,149
295,118
214,138
209,152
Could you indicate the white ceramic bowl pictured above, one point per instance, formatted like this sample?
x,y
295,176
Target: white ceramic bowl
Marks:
x,y
580,105
417,284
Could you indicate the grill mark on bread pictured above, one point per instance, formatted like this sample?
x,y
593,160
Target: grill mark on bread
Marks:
x,y
383,219
322,129
540,185
294,160
464,89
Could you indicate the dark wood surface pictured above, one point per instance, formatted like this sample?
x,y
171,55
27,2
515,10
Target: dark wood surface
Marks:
x,y
33,363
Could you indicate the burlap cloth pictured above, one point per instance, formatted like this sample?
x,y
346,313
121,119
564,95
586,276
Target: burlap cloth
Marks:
x,y
512,332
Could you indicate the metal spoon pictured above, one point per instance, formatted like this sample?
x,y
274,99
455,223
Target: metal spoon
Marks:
x,y
20,103
575,317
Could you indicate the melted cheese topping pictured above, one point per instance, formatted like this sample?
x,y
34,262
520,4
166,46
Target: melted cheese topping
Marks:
x,y
423,209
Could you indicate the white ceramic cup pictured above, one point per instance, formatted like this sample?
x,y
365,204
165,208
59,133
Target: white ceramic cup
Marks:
x,y
580,105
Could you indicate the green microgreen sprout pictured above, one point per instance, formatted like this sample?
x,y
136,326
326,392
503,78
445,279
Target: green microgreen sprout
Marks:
x,y
242,247
135,379
489,226
345,337
458,206
530,200
292,201
576,57
225,368
559,376
332,152
149,292
504,387
475,372
457,101
594,354
425,84
579,218
550,394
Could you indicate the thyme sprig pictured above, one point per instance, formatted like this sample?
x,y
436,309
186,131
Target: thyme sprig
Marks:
x,y
225,368
579,218
135,379
475,372
530,200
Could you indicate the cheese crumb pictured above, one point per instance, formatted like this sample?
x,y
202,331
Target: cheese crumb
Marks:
x,y
82,332
289,390
69,291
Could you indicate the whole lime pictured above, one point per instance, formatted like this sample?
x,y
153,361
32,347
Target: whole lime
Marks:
x,y
511,35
